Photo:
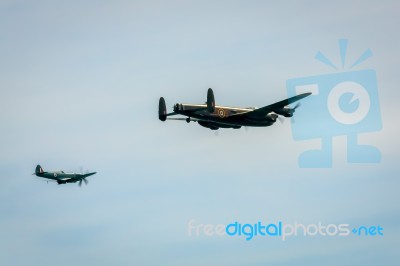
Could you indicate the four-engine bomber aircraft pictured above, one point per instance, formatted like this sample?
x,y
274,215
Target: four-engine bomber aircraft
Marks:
x,y
214,117
61,177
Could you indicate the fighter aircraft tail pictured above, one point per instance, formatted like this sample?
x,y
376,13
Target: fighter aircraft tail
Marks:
x,y
39,170
210,101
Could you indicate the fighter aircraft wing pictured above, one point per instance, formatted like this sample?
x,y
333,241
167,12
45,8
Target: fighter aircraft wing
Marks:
x,y
88,174
263,111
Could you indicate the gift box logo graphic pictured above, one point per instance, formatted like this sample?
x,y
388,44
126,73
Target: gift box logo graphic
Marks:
x,y
342,103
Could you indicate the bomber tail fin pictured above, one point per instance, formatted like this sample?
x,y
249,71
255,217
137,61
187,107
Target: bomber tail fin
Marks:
x,y
162,110
210,101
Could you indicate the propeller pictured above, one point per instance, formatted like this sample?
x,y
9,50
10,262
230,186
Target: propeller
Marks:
x,y
294,109
84,180
297,106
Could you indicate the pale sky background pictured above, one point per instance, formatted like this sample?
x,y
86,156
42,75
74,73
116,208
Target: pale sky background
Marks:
x,y
79,87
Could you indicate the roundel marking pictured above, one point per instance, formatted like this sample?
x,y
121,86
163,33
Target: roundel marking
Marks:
x,y
221,113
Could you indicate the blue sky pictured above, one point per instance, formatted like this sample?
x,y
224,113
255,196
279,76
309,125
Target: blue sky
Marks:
x,y
80,85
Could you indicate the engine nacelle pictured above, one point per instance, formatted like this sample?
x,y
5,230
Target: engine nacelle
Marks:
x,y
285,111
272,117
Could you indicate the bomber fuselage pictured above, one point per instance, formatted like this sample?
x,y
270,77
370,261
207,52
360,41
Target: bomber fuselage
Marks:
x,y
224,116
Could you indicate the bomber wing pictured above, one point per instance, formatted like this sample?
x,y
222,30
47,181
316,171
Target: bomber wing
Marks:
x,y
263,111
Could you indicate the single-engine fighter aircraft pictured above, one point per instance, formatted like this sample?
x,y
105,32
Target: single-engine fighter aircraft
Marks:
x,y
61,177
214,117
